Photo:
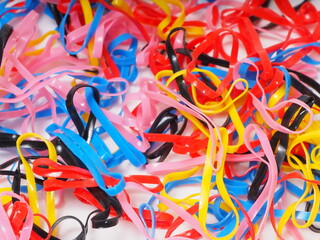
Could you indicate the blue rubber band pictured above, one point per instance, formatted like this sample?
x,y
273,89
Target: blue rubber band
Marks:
x,y
89,157
93,26
153,218
133,155
7,16
125,59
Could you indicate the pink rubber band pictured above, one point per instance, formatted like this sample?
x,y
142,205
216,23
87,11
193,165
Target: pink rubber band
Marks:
x,y
6,227
175,208
268,192
262,106
183,165
191,109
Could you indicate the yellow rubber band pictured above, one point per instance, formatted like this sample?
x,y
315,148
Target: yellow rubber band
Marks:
x,y
121,4
205,187
277,96
183,202
226,104
31,184
39,40
88,17
306,169
163,27
5,199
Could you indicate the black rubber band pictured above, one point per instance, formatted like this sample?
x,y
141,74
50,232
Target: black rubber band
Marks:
x,y
164,120
9,140
85,133
101,219
5,33
307,208
175,64
42,233
81,235
279,144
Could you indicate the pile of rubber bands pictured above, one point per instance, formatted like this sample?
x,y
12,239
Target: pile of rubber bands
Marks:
x,y
214,104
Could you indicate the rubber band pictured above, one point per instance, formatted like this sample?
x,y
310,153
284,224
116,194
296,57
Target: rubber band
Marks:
x,y
153,218
82,177
280,141
186,216
167,20
88,19
5,33
93,25
127,14
38,41
7,15
30,177
86,153
136,157
239,135
48,224
82,234
55,13
271,183
211,77
164,118
7,231
125,60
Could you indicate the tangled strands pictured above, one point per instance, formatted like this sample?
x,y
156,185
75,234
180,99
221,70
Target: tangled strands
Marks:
x,y
217,97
